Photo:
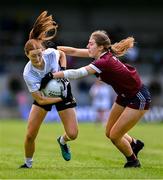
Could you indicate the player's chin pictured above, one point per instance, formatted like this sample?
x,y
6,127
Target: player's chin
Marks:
x,y
37,63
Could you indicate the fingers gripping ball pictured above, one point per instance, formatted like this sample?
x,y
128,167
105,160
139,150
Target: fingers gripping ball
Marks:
x,y
54,88
45,80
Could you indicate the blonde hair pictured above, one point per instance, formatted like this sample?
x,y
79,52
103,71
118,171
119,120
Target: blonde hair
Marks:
x,y
39,33
119,48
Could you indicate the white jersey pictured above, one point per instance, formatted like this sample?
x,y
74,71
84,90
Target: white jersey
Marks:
x,y
33,76
102,95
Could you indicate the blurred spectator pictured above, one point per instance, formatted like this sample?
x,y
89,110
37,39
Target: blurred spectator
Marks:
x,y
102,100
83,88
16,96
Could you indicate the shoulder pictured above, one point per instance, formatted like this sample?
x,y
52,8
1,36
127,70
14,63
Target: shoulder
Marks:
x,y
101,61
50,51
104,62
27,68
28,72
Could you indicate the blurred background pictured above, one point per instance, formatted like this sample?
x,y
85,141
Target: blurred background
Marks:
x,y
77,19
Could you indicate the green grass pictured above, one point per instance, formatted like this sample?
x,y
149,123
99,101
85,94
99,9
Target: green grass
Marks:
x,y
93,156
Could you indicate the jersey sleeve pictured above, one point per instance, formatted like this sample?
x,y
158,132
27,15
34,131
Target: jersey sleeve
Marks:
x,y
98,65
31,85
57,54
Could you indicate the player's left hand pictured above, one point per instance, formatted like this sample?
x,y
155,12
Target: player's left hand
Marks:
x,y
63,68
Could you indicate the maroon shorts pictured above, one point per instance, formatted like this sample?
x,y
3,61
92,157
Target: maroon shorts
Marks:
x,y
141,100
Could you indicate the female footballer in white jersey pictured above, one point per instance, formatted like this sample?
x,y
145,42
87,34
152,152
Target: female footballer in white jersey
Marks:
x,y
42,62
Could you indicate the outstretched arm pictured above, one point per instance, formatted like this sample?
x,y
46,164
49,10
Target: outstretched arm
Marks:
x,y
71,51
75,73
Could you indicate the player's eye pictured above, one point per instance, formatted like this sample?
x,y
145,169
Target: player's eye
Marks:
x,y
39,54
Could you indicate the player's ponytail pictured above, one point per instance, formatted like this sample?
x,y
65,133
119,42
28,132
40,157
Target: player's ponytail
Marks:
x,y
44,24
44,29
120,48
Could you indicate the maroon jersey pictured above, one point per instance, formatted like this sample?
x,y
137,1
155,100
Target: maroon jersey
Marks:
x,y
122,77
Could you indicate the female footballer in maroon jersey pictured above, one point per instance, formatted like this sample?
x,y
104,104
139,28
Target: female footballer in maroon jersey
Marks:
x,y
133,98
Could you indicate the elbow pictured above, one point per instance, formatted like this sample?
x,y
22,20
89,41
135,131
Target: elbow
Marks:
x,y
41,103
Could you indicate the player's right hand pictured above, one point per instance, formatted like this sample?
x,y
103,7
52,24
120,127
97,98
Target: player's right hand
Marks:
x,y
45,80
66,90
